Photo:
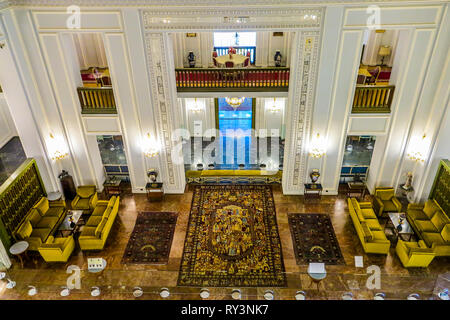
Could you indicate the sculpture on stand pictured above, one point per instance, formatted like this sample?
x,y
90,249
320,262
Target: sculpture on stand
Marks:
x,y
277,58
191,59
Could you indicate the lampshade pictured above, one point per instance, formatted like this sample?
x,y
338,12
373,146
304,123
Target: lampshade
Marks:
x,y
384,51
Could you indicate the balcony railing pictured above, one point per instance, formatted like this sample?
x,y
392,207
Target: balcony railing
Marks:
x,y
232,79
373,99
221,51
97,100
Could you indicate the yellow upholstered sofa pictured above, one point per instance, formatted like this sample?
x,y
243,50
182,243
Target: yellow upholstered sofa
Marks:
x,y
414,254
86,198
431,223
40,222
97,228
384,200
57,249
369,230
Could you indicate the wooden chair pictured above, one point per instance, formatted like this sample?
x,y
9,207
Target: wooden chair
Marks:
x,y
247,61
229,64
215,62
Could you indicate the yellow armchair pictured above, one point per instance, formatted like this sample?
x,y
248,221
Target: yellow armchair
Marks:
x,y
414,254
57,249
86,198
384,200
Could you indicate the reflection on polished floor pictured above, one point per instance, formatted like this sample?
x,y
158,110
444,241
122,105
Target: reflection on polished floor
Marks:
x,y
117,280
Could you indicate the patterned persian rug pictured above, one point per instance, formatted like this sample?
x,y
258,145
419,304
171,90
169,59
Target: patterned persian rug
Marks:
x,y
314,239
232,239
151,239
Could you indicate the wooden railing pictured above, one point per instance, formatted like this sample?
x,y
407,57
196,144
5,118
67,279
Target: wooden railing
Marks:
x,y
97,100
373,99
232,79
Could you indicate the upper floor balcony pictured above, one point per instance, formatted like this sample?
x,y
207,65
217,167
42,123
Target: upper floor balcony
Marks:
x,y
97,100
373,99
232,79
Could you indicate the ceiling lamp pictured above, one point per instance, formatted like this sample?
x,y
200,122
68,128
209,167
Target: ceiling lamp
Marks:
x,y
150,147
57,149
195,108
275,108
317,147
234,102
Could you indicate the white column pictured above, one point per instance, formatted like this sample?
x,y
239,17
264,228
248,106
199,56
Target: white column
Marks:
x,y
430,110
405,108
370,55
323,107
27,105
340,107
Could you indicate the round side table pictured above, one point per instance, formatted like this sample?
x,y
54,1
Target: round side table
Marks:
x,y
317,278
54,196
19,249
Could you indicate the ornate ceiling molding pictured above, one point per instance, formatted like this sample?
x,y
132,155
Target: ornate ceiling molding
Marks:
x,y
243,18
193,3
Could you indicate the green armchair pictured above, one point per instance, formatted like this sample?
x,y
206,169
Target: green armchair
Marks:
x,y
86,198
384,200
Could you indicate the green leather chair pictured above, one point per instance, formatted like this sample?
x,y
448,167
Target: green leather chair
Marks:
x,y
384,200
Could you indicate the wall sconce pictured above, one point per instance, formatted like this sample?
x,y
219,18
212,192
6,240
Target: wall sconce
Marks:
x,y
195,108
317,149
150,146
275,108
418,149
57,148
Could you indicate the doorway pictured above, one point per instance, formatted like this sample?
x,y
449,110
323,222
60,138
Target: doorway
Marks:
x,y
357,157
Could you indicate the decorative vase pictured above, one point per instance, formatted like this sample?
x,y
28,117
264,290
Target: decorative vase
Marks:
x,y
152,175
277,58
191,59
315,174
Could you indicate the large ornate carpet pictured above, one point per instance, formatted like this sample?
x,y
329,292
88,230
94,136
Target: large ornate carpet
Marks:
x,y
314,239
151,239
232,238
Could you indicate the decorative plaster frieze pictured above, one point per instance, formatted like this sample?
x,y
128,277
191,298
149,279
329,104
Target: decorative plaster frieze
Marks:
x,y
301,110
247,18
162,103
209,3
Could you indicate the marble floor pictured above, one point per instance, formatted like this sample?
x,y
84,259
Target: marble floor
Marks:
x,y
117,281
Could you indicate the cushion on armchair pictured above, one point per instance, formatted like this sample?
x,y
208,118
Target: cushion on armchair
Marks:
x,y
43,206
25,230
430,208
34,217
84,192
445,233
384,194
439,220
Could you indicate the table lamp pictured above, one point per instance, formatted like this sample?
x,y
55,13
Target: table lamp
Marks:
x,y
383,52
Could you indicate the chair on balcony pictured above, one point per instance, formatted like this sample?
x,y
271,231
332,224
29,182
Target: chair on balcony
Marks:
x,y
229,64
375,73
106,81
214,54
247,61
215,62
